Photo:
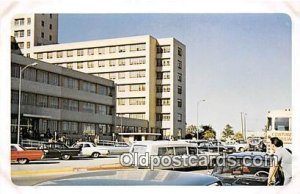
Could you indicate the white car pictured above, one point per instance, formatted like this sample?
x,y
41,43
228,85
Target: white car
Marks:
x,y
90,149
240,146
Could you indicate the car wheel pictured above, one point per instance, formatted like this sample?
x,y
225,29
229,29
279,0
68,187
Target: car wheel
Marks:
x,y
242,149
23,161
95,155
65,157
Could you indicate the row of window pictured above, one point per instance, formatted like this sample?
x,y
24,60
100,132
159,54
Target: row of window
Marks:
x,y
131,101
22,45
21,33
132,115
60,80
131,88
60,103
167,117
104,63
93,51
167,102
21,21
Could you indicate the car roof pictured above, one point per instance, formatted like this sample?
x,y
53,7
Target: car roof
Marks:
x,y
134,177
249,154
169,143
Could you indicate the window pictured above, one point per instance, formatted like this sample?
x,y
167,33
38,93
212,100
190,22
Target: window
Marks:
x,y
163,102
179,117
179,103
101,63
42,76
69,127
42,34
14,97
89,87
53,102
163,49
80,65
138,47
137,87
137,61
28,99
122,49
102,109
137,116
80,52
103,90
121,101
121,88
50,26
50,37
112,63
28,33
59,54
179,64
88,129
70,83
121,75
50,15
163,117
121,62
179,77
29,74
28,21
43,23
40,56
136,74
179,151
112,49
19,22
101,51
69,65
179,51
88,107
49,55
70,53
41,100
28,44
21,33
163,75
281,124
91,51
54,79
162,88
163,62
71,105
179,89
90,64
112,75
137,101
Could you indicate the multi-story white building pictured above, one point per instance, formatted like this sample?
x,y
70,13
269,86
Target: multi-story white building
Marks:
x,y
32,30
149,74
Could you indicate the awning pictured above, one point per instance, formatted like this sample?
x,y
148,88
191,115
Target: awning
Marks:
x,y
37,116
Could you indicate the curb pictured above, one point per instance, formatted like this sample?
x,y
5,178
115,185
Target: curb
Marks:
x,y
68,170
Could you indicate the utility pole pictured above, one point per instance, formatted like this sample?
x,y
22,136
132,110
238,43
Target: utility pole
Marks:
x,y
245,127
242,124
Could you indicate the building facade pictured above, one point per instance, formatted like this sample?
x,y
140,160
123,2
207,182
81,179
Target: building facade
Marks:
x,y
149,74
32,30
65,102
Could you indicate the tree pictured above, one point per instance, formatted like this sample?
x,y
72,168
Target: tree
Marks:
x,y
227,132
191,131
207,133
238,136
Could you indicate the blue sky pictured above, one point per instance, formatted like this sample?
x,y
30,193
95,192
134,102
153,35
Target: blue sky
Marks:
x,y
237,62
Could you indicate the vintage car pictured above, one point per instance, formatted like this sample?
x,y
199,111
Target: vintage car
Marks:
x,y
90,149
59,150
244,168
115,148
240,146
23,156
214,146
133,177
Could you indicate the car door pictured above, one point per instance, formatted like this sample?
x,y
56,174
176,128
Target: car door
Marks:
x,y
87,149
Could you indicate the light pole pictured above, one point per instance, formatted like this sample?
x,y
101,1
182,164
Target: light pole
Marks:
x,y
245,127
203,100
19,107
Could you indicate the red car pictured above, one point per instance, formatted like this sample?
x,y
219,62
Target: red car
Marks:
x,y
23,156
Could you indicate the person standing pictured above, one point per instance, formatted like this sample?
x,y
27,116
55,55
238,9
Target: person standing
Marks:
x,y
282,159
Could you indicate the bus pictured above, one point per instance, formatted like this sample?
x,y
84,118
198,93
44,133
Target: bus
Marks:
x,y
279,124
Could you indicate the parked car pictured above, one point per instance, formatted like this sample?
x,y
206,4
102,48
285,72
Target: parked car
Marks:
x,y
229,148
215,147
116,148
135,177
23,156
59,150
241,169
90,149
240,146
